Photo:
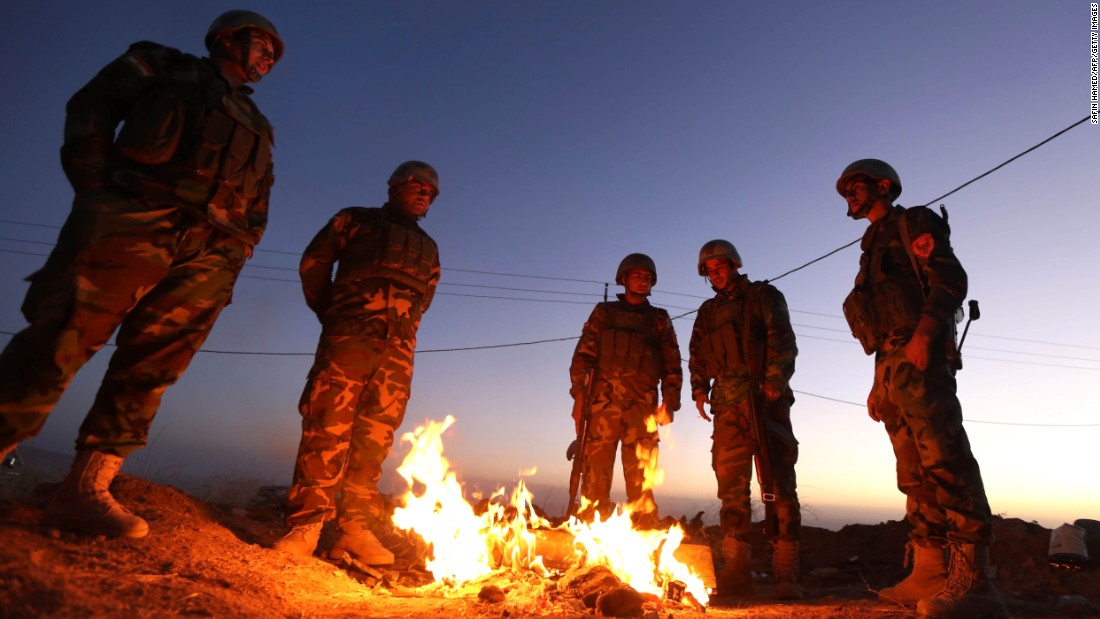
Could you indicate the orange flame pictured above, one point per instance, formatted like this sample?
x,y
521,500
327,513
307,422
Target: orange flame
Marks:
x,y
466,546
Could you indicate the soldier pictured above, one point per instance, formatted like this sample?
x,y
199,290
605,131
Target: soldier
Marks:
x,y
901,310
628,348
742,346
387,268
165,214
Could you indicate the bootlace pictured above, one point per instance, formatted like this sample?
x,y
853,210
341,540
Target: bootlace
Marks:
x,y
960,577
786,562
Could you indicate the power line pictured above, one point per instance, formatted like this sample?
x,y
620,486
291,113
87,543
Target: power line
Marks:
x,y
996,423
976,178
981,176
566,339
563,279
678,317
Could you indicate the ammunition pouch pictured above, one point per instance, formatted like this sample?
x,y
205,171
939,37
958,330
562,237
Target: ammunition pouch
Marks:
x,y
628,345
860,320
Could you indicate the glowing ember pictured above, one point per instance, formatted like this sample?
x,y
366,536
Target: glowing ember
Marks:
x,y
466,546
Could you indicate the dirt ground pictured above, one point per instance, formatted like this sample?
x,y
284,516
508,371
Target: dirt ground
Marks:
x,y
206,560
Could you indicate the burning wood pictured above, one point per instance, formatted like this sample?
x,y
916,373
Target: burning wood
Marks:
x,y
509,536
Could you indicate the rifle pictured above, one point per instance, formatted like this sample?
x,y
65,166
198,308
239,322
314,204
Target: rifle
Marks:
x,y
577,449
762,457
758,418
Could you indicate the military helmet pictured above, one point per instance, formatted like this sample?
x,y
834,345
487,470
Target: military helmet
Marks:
x,y
877,169
635,261
232,21
418,170
718,248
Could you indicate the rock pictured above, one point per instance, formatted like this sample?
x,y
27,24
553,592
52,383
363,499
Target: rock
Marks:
x,y
491,594
622,601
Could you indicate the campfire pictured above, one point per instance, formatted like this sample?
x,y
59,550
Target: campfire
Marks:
x,y
505,537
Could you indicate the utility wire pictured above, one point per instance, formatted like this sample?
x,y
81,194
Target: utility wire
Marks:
x,y
975,179
960,187
678,317
995,423
981,176
576,338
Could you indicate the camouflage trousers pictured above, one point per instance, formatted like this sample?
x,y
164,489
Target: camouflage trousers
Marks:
x,y
353,403
158,275
732,454
936,470
632,423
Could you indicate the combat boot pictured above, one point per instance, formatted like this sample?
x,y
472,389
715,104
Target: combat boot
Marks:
x,y
929,575
356,545
301,540
969,592
785,566
408,548
83,501
735,577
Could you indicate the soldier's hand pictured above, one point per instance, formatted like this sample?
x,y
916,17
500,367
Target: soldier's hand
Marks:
x,y
771,392
671,400
916,349
702,400
664,414
871,410
571,451
578,414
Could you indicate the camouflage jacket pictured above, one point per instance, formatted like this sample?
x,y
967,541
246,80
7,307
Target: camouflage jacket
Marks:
x,y
187,138
740,334
889,297
633,347
387,272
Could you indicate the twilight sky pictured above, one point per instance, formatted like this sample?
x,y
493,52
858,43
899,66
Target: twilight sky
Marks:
x,y
568,134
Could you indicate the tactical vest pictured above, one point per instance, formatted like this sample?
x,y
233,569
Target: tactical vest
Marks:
x,y
193,139
629,342
887,295
385,249
725,346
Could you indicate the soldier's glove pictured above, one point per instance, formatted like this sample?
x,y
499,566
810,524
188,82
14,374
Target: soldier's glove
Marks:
x,y
571,451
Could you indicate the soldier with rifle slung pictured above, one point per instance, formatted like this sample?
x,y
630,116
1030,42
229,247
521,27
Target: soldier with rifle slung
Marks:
x,y
627,349
742,358
909,285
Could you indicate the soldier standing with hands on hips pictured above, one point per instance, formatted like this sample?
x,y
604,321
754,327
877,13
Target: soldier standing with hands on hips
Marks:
x,y
387,268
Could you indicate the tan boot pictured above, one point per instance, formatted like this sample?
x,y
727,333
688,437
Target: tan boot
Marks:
x,y
83,501
785,566
301,540
735,577
928,576
969,592
356,544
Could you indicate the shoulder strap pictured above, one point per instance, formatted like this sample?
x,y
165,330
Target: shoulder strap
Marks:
x,y
903,227
751,296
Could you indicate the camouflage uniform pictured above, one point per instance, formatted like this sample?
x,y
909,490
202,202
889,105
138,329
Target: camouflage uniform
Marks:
x,y
358,387
630,349
749,322
945,497
164,217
